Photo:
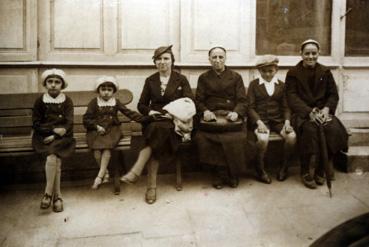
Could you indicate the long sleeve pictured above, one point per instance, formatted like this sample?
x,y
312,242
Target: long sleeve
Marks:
x,y
201,95
129,113
143,105
89,118
241,100
69,116
296,104
285,108
43,129
187,91
251,103
332,93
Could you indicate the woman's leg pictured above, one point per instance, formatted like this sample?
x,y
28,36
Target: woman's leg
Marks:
x,y
152,171
262,145
136,170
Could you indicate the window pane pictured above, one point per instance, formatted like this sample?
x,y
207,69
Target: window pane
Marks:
x,y
357,28
281,25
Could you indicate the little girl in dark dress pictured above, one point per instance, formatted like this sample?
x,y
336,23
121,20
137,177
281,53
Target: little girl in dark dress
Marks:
x,y
53,133
102,124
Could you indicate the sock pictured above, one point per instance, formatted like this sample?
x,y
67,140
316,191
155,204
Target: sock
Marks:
x,y
57,177
50,170
105,158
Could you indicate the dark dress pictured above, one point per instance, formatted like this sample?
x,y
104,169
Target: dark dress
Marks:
x,y
221,92
160,135
306,89
106,117
272,110
46,117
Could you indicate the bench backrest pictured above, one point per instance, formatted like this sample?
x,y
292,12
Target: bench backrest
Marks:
x,y
16,110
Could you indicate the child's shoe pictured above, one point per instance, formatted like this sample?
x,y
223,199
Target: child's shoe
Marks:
x,y
57,204
97,183
106,178
129,178
45,201
150,196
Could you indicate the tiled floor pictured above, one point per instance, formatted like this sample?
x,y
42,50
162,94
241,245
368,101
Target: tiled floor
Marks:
x,y
254,214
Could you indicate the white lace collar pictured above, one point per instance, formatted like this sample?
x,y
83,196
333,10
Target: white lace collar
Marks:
x,y
46,98
110,102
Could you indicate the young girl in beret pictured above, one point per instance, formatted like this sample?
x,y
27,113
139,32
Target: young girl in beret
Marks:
x,y
53,133
103,126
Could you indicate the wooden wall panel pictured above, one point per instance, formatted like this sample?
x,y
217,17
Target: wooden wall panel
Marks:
x,y
208,23
18,30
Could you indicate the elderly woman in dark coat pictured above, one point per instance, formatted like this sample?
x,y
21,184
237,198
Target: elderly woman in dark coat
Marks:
x,y
162,142
312,96
220,91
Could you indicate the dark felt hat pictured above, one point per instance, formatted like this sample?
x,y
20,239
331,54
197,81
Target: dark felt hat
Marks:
x,y
162,50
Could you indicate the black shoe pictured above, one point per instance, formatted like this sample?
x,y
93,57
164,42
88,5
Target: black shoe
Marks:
x,y
282,174
57,204
233,182
218,183
264,177
319,180
150,196
308,181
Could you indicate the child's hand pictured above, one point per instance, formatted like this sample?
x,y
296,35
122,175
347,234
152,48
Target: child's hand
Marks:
x,y
100,130
49,139
287,127
152,112
60,131
262,128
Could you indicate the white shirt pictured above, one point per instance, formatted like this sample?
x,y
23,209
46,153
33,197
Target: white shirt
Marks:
x,y
269,85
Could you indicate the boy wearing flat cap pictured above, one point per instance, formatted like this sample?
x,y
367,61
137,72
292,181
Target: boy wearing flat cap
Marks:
x,y
268,111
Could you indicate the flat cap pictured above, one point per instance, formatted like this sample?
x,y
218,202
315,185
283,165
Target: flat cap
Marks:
x,y
162,50
267,60
309,41
54,72
105,78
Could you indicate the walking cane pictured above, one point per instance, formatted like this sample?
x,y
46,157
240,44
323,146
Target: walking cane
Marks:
x,y
324,158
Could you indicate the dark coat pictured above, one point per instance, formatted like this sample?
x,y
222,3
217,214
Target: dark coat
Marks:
x,y
160,135
45,118
221,92
302,98
267,108
151,99
106,117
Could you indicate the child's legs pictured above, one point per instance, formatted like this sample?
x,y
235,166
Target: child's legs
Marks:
x,y
57,177
262,141
50,171
289,142
141,161
97,156
105,158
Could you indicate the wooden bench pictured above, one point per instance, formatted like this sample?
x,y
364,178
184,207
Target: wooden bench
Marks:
x,y
16,125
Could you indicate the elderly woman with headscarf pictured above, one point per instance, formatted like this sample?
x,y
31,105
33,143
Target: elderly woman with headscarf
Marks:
x,y
161,88
312,96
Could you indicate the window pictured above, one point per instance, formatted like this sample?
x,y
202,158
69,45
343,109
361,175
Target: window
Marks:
x,y
357,28
281,25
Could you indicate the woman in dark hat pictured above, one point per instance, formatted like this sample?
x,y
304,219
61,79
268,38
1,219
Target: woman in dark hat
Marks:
x,y
312,96
162,142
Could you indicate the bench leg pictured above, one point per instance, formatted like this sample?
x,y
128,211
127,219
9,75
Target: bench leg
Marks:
x,y
116,170
178,174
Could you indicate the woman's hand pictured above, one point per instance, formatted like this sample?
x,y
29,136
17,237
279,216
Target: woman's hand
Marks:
x,y
49,139
60,131
232,116
101,130
209,116
262,128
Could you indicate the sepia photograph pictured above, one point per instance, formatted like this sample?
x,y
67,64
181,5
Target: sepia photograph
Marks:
x,y
184,123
